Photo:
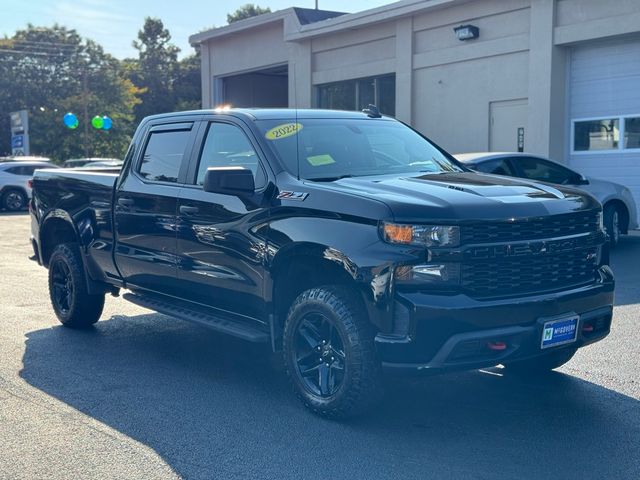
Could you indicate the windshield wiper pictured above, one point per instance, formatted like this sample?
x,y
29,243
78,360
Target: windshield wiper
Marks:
x,y
329,179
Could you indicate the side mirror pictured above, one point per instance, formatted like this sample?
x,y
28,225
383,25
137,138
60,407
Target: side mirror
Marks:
x,y
580,180
236,181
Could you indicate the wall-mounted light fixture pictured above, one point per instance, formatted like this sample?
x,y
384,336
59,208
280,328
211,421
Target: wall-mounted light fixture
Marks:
x,y
467,32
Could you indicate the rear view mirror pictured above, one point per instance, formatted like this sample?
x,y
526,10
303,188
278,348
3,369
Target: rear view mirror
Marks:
x,y
236,181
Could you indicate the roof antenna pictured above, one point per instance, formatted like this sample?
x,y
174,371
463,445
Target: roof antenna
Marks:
x,y
372,111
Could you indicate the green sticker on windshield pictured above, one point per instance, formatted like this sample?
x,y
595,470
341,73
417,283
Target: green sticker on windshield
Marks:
x,y
319,160
283,131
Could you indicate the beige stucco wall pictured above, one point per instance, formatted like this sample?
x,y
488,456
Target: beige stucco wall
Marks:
x,y
443,86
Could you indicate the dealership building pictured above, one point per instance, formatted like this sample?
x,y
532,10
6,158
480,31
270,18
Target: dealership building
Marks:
x,y
559,78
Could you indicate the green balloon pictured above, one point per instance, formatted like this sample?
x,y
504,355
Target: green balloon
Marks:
x,y
97,122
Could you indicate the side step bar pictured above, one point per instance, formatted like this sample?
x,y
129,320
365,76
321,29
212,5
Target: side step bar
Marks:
x,y
187,312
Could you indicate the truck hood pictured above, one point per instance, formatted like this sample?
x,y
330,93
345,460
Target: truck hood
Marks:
x,y
464,196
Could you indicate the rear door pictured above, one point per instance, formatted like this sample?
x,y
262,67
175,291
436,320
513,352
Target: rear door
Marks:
x,y
145,207
222,238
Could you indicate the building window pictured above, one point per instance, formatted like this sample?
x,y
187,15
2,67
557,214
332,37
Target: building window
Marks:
x,y
592,135
605,134
632,132
357,94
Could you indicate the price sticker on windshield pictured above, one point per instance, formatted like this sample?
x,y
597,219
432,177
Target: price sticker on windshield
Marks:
x,y
283,131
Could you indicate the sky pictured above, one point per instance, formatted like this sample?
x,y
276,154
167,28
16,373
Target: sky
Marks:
x,y
115,23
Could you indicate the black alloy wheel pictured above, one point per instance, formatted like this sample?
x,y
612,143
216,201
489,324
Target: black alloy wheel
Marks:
x,y
74,306
319,355
329,352
62,286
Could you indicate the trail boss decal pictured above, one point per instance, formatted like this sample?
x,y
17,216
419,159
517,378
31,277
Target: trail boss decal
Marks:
x,y
283,131
285,195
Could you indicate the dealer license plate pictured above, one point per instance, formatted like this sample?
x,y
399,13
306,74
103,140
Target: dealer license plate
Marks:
x,y
560,331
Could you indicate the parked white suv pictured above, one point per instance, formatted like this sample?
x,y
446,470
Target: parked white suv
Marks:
x,y
15,174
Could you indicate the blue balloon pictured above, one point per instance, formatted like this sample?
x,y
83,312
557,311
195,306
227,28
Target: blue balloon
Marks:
x,y
107,123
70,120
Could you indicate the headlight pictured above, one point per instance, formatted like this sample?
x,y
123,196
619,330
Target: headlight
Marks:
x,y
422,235
600,220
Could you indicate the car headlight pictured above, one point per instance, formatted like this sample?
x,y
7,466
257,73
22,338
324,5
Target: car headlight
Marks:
x,y
600,220
421,235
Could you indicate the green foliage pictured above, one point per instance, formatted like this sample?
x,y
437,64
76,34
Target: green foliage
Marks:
x,y
246,11
52,70
155,69
49,71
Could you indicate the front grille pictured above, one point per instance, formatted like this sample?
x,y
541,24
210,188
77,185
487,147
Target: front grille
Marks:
x,y
530,229
530,274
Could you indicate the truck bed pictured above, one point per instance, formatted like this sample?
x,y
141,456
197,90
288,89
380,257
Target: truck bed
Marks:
x,y
85,196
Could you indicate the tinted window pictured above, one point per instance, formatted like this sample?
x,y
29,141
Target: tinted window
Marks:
x,y
13,170
499,166
227,146
163,155
544,171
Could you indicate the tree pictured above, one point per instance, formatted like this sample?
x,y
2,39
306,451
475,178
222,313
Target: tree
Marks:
x,y
155,69
187,86
246,11
50,71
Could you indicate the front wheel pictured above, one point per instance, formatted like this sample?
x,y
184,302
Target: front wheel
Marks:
x,y
73,305
542,364
612,220
330,354
14,200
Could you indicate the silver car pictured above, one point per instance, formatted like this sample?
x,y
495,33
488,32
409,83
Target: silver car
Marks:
x,y
620,213
15,190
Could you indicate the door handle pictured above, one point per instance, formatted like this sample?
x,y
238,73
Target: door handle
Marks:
x,y
125,202
189,209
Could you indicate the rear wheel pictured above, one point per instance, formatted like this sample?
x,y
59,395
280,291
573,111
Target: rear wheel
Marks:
x,y
14,200
329,353
613,223
73,305
542,364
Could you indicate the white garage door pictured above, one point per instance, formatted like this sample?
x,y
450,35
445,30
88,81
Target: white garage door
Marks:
x,y
604,109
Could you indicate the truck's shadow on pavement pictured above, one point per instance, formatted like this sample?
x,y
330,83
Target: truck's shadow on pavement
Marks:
x,y
213,407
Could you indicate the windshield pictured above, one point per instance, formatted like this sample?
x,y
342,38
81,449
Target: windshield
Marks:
x,y
329,149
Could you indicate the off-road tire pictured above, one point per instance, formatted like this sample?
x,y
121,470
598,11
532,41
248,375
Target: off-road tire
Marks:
x,y
541,365
360,386
72,304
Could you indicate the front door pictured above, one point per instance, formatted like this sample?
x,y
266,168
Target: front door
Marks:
x,y
146,209
508,125
222,238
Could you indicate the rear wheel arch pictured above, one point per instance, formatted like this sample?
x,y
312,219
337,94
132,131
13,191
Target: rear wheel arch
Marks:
x,y
55,231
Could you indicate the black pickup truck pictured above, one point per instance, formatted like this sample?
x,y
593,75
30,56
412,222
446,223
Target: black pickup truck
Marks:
x,y
347,240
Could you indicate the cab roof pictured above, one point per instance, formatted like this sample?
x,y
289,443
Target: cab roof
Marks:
x,y
269,113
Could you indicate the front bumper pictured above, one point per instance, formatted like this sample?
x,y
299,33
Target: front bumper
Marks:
x,y
456,332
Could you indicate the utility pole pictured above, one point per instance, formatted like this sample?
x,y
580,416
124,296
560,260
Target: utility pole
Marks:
x,y
85,101
316,4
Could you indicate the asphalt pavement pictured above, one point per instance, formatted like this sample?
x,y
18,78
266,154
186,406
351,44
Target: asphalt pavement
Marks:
x,y
143,395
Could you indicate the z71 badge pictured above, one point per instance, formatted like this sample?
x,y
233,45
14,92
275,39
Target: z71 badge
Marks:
x,y
284,195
